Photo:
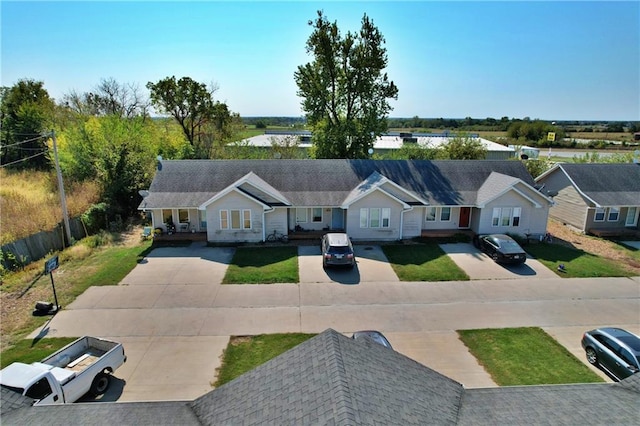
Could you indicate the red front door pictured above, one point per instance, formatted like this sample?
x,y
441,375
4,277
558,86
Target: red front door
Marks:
x,y
465,215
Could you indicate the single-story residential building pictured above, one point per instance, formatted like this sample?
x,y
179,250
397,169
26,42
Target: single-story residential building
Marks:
x,y
601,199
386,143
333,380
245,200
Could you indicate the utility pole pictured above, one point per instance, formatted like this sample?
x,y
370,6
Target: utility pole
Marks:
x,y
63,198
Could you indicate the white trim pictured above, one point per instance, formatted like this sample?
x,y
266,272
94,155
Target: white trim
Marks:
x,y
519,192
228,190
635,218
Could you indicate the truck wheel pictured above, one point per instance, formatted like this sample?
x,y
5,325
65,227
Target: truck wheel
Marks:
x,y
100,384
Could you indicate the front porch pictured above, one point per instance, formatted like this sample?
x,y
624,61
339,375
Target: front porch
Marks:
x,y
181,236
614,232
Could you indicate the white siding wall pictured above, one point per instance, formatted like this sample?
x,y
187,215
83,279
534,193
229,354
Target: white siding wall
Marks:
x,y
375,199
276,220
452,223
234,201
310,224
532,220
412,223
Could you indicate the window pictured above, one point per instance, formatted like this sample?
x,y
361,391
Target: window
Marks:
x,y
632,216
445,214
614,214
431,214
317,215
517,211
40,389
495,220
203,219
301,215
505,218
224,219
386,217
364,218
183,216
235,219
375,217
599,216
167,216
246,217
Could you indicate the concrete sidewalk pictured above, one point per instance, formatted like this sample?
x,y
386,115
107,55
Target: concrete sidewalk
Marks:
x,y
175,317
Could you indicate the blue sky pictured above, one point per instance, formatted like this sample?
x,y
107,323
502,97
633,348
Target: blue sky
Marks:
x,y
550,60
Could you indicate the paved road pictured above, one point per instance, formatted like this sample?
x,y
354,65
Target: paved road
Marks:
x,y
175,318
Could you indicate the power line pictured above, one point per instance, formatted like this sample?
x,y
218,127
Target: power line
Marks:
x,y
25,141
23,159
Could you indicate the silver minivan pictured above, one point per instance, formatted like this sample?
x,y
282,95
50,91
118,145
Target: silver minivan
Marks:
x,y
337,250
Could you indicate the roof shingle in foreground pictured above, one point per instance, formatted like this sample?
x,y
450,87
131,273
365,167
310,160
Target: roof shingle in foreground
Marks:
x,y
331,379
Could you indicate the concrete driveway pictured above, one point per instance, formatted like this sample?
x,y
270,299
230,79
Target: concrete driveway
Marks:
x,y
371,265
175,318
479,266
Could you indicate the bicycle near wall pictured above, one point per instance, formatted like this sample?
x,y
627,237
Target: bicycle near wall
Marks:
x,y
276,236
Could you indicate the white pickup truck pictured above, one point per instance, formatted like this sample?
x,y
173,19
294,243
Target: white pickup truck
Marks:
x,y
82,366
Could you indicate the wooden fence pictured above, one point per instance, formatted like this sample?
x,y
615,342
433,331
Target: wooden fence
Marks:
x,y
38,246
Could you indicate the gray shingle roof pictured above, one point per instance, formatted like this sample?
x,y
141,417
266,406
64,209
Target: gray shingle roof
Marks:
x,y
607,184
331,379
188,183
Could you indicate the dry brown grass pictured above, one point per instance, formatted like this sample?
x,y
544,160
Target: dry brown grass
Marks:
x,y
30,202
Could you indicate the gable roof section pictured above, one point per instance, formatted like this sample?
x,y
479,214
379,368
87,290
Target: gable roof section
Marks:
x,y
252,186
331,379
498,184
325,182
374,183
603,185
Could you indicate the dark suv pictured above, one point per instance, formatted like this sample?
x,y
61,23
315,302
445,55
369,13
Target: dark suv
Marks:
x,y
615,350
337,250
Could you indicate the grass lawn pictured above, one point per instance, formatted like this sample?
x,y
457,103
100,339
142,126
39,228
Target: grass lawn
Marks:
x,y
263,265
247,352
525,356
422,262
577,263
28,351
81,266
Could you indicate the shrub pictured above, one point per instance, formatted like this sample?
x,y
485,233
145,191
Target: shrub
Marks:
x,y
95,218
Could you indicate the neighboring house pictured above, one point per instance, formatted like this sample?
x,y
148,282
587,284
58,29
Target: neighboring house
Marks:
x,y
387,142
245,200
332,379
602,199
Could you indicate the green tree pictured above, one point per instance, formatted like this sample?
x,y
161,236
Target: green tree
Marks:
x,y
345,92
26,112
119,154
192,105
464,148
536,167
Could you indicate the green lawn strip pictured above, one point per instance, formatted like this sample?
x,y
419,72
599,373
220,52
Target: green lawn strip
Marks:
x,y
263,265
28,351
422,262
247,352
105,266
577,263
525,356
